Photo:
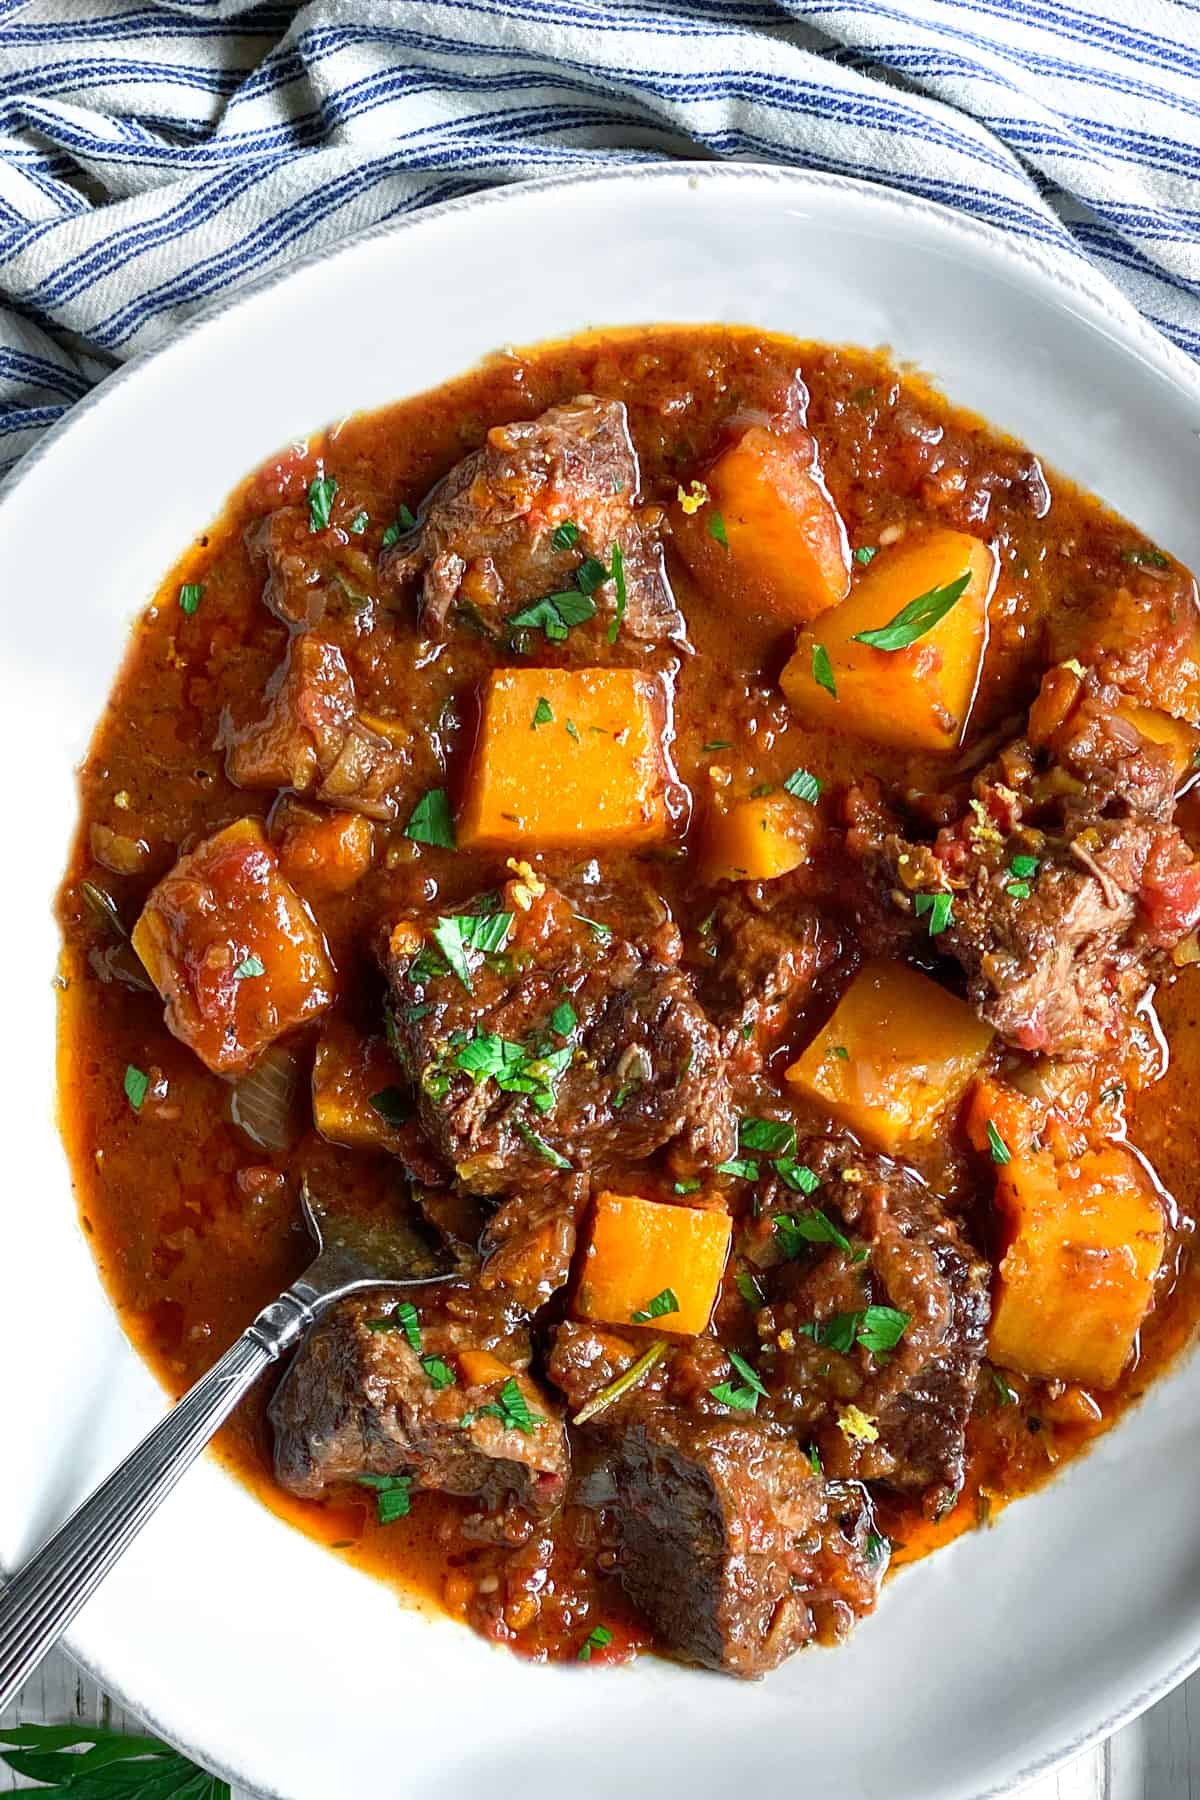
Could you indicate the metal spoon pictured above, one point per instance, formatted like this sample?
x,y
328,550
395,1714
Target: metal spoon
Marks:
x,y
40,1601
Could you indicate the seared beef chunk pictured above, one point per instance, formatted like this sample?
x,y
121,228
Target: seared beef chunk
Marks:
x,y
360,1400
517,520
530,1240
313,739
1064,869
728,1540
1143,639
567,1044
306,569
913,1396
768,947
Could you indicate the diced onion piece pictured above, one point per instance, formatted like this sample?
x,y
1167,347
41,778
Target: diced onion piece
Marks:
x,y
264,1101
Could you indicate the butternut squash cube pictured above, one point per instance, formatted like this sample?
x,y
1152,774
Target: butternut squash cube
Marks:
x,y
769,539
479,1368
233,949
898,1052
640,1249
321,852
566,758
1077,1279
757,839
917,697
359,1095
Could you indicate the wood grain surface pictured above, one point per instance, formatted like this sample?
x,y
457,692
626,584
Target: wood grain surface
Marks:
x,y
1152,1759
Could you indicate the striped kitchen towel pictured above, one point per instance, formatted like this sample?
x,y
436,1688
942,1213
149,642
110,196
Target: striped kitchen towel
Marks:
x,y
154,153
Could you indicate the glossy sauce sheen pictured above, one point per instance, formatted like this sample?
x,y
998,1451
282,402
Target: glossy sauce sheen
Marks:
x,y
194,1227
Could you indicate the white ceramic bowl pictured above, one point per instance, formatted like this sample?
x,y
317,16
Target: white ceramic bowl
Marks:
x,y
237,1637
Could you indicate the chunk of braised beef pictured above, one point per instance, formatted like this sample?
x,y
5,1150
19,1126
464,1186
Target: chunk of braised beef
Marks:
x,y
361,1399
306,569
1064,869
765,948
913,1387
515,522
566,1046
732,1545
313,737
530,1240
1144,638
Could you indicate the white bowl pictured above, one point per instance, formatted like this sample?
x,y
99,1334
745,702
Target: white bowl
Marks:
x,y
237,1637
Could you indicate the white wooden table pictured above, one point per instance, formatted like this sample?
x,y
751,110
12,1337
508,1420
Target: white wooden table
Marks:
x,y
1152,1759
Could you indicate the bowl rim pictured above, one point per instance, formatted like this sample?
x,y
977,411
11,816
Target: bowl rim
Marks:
x,y
1051,263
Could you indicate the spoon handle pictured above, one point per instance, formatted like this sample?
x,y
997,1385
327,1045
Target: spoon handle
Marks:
x,y
41,1600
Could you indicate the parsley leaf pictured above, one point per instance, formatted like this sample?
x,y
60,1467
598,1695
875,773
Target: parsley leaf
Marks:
x,y
618,575
918,617
563,1019
882,1328
590,575
565,536
772,1136
716,529
403,1317
405,522
454,936
794,1230
804,786
1024,865
743,1396
1153,559
137,1086
1005,1395
430,822
689,1185
392,1105
512,1409
555,614
749,1288
865,553
439,1371
515,1070
392,1495
797,1175
836,1332
744,1167
542,715
658,1308
321,490
598,1638
250,968
189,597
359,523
940,908
996,1144
544,1150
822,669
602,932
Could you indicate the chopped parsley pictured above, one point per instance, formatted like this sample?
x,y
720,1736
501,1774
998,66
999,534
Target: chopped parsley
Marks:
x,y
321,490
565,536
716,529
1005,1395
430,821
1018,890
542,714
744,1167
403,1317
877,1547
555,614
439,1371
877,1328
774,1137
250,968
715,744
795,1230
814,1460
515,1070
590,575
405,522
689,1185
137,1086
804,786
484,932
618,575
603,932
866,553
563,1019
512,1409
544,1150
598,1638
1153,559
749,1288
918,617
572,730
359,523
797,1175
663,1303
996,1144
190,595
392,1495
822,670
840,1051
392,1105
939,907
742,1396
1024,865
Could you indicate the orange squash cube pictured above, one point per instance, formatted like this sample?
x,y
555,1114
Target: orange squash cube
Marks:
x,y
1181,740
321,852
1077,1279
757,839
639,1248
915,698
898,1052
566,758
769,539
233,949
479,1368
359,1095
